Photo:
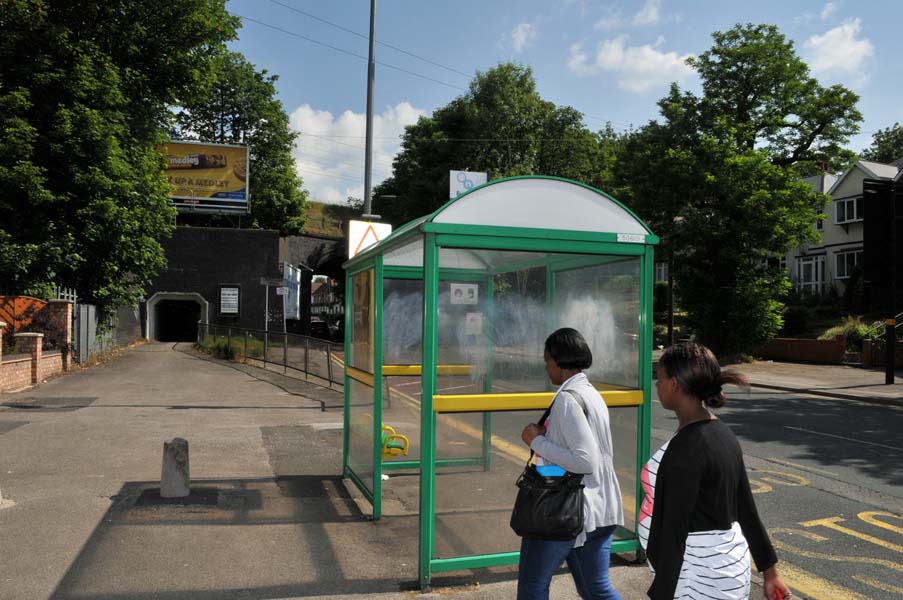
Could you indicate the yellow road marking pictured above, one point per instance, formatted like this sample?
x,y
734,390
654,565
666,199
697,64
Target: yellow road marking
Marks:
x,y
813,586
885,587
803,467
869,517
833,523
795,480
759,487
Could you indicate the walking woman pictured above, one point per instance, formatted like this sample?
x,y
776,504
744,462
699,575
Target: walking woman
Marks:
x,y
699,514
577,438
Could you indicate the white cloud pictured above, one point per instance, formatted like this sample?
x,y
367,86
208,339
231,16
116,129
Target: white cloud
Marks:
x,y
648,15
330,151
612,20
840,51
637,68
522,36
829,9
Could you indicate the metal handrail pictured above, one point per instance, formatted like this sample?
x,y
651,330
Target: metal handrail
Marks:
x,y
299,343
878,325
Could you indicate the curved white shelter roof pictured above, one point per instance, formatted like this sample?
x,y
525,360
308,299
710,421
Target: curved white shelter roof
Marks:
x,y
540,202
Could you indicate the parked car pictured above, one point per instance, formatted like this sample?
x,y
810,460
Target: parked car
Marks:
x,y
319,328
337,330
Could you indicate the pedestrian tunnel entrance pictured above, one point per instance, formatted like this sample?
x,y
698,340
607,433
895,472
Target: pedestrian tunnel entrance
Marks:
x,y
174,317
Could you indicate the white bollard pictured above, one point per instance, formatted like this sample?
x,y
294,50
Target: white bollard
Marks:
x,y
176,479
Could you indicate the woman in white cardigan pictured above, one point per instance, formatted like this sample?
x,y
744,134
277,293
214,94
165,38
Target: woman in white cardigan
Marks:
x,y
576,437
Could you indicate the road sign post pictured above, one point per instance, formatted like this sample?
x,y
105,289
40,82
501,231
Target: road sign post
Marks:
x,y
890,344
267,282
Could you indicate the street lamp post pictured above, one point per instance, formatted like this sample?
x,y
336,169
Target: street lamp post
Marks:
x,y
368,151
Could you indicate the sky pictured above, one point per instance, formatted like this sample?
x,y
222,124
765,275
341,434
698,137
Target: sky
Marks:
x,y
611,61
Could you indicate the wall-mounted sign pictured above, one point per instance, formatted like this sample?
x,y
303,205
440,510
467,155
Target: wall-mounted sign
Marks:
x,y
229,298
463,181
363,234
292,278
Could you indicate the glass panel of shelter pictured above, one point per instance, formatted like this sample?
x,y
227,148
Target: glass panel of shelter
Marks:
x,y
497,328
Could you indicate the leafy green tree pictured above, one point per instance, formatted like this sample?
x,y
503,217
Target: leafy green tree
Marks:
x,y
887,145
501,126
758,93
240,107
84,91
719,178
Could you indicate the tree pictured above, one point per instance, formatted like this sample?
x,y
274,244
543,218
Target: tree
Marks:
x,y
758,93
84,90
887,145
501,126
719,179
240,107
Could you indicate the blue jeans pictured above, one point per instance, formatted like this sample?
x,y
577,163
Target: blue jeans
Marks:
x,y
539,559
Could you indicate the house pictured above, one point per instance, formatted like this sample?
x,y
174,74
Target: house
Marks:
x,y
882,266
819,268
326,300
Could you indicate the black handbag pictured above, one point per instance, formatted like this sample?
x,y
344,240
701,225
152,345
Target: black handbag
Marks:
x,y
548,508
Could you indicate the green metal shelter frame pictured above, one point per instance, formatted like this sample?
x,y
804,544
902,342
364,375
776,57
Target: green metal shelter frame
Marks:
x,y
570,226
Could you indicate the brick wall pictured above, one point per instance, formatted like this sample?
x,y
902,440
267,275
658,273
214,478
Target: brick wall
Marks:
x,y
15,374
202,259
51,365
37,367
828,352
874,355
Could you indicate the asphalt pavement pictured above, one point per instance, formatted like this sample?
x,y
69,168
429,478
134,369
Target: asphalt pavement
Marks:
x,y
270,516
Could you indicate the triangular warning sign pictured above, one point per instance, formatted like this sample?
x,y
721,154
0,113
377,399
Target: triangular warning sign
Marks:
x,y
363,234
369,234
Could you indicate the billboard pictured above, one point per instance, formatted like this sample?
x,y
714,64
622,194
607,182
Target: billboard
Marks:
x,y
211,178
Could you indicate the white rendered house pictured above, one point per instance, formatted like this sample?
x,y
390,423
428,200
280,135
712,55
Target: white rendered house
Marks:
x,y
817,268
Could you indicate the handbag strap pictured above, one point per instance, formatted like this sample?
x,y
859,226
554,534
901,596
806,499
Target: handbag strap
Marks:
x,y
542,421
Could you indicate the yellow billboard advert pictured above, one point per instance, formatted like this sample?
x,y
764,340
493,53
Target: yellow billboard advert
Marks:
x,y
207,177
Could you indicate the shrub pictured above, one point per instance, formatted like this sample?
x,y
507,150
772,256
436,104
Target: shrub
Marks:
x,y
796,320
223,350
853,329
218,349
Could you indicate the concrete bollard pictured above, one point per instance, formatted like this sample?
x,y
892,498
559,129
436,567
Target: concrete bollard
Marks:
x,y
176,479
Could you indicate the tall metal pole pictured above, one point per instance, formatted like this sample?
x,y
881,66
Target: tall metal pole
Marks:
x,y
890,329
368,152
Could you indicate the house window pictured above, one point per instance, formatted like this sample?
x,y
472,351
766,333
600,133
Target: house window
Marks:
x,y
847,263
810,274
771,261
661,271
820,225
848,210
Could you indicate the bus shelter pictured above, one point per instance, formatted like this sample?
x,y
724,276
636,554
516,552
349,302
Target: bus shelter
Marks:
x,y
445,324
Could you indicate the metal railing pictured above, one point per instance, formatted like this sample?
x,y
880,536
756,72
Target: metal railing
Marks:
x,y
314,357
880,326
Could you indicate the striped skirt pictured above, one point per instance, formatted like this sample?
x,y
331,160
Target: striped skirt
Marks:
x,y
715,566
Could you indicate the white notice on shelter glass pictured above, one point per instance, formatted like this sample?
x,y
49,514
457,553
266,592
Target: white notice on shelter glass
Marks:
x,y
464,293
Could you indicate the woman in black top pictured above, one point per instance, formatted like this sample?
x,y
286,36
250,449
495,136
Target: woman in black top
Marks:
x,y
703,517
